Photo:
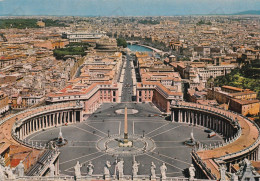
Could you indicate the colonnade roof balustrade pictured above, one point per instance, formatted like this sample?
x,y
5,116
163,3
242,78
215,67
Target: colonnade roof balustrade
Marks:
x,y
248,140
12,121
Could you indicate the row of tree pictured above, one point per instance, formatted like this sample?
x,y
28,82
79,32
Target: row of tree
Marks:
x,y
28,23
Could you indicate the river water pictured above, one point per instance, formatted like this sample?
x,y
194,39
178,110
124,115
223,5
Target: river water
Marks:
x,y
138,48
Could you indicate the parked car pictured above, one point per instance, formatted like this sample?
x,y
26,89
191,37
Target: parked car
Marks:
x,y
207,130
212,134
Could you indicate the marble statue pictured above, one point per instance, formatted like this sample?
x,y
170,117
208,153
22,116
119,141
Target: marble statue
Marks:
x,y
153,167
77,170
51,145
2,161
192,172
20,169
78,103
246,170
120,168
90,168
9,173
135,168
234,177
2,174
222,170
106,169
52,170
163,169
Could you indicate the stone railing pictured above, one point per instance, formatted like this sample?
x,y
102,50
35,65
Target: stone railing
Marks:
x,y
43,163
101,177
202,164
246,150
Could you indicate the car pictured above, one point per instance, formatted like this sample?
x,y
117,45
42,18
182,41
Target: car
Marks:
x,y
207,130
212,134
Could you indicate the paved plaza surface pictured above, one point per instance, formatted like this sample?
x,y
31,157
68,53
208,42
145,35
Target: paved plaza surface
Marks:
x,y
86,141
127,91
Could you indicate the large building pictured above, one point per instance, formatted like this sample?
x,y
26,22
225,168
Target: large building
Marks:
x,y
4,103
243,101
158,83
83,36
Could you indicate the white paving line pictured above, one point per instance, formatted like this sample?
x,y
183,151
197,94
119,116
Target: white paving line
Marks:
x,y
87,131
133,127
157,129
102,122
173,158
39,140
80,147
169,141
164,162
132,118
166,131
211,140
82,141
37,134
78,158
96,129
119,129
172,147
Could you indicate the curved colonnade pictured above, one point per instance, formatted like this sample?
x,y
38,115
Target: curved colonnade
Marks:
x,y
43,118
15,128
241,137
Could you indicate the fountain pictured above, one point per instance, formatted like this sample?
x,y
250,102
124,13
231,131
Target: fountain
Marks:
x,y
60,141
191,141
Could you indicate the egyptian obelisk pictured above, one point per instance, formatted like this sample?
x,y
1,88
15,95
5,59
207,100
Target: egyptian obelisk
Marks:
x,y
125,126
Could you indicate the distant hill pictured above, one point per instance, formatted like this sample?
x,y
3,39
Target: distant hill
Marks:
x,y
251,12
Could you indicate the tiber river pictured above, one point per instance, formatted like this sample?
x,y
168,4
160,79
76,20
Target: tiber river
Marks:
x,y
138,48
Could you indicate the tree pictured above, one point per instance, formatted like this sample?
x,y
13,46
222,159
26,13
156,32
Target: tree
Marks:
x,y
121,42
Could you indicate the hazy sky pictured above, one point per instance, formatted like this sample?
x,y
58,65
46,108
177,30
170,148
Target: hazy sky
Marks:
x,y
125,7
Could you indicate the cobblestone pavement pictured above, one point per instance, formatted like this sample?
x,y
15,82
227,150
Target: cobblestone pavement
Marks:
x,y
83,139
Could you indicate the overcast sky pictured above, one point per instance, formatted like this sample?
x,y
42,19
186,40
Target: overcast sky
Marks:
x,y
125,7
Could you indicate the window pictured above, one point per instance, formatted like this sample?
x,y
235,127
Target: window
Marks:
x,y
114,93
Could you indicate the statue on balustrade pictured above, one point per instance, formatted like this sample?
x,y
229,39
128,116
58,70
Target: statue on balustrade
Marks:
x,y
52,145
222,170
163,169
2,161
20,169
77,170
9,173
192,172
246,170
2,174
90,168
106,169
153,167
135,168
52,170
234,177
120,168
